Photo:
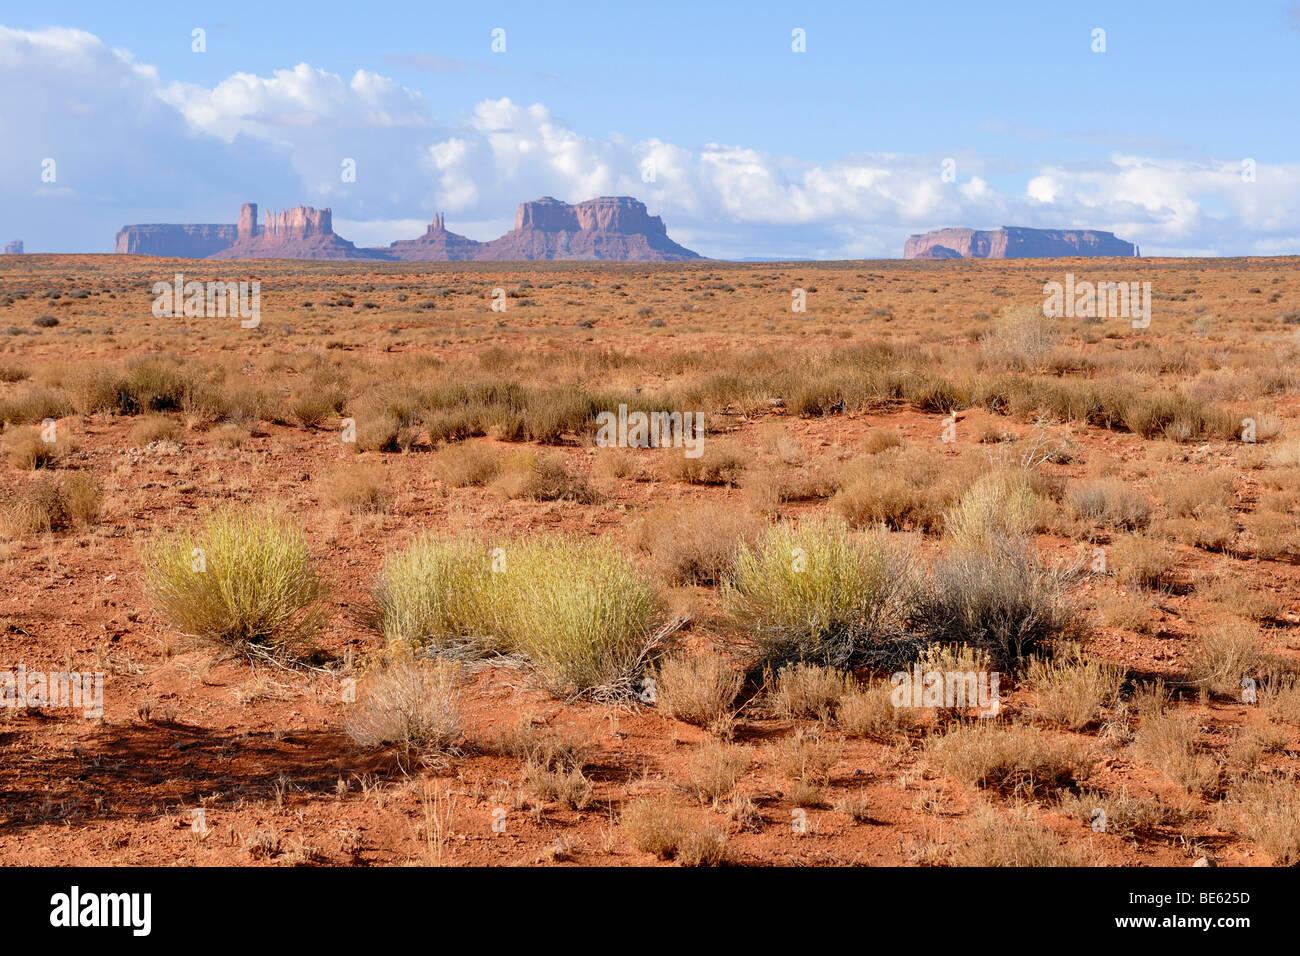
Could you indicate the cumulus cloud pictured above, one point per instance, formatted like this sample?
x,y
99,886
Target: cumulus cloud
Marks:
x,y
133,149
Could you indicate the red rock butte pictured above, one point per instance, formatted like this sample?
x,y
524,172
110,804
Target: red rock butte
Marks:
x,y
1015,242
615,228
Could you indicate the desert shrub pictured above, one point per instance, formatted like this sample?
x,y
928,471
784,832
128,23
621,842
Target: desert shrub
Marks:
x,y
988,754
1071,691
578,610
1268,812
411,705
696,545
465,465
436,593
48,505
998,599
152,428
1109,502
377,432
1000,504
1125,815
1142,562
1015,839
817,592
1168,742
715,769
869,711
720,463
656,825
26,448
358,488
33,406
1222,656
12,372
542,477
1021,338
698,689
244,578
807,690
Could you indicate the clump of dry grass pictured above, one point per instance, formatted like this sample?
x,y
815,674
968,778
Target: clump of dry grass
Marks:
x,y
1168,742
1268,812
542,477
803,690
1071,691
695,545
28,449
1142,562
698,689
1235,594
411,705
1109,502
152,428
721,463
656,825
1016,839
1001,504
1222,656
869,711
1117,813
48,505
578,610
988,754
1130,610
465,464
358,488
715,769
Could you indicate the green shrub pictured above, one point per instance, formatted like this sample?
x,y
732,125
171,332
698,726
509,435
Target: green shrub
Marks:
x,y
817,592
243,579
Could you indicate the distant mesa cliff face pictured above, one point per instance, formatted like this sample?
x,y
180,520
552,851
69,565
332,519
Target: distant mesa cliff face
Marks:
x,y
14,248
612,227
1015,242
181,242
298,233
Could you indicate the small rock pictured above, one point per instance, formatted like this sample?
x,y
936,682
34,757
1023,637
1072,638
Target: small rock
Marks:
x,y
1205,861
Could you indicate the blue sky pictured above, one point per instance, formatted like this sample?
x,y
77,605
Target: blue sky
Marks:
x,y
758,150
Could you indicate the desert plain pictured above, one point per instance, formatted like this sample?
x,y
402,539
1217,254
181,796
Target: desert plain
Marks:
x,y
1108,517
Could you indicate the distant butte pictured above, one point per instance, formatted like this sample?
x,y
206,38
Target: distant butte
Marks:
x,y
1016,242
616,228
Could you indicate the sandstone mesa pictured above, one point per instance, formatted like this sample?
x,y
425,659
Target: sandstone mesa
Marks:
x,y
612,228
